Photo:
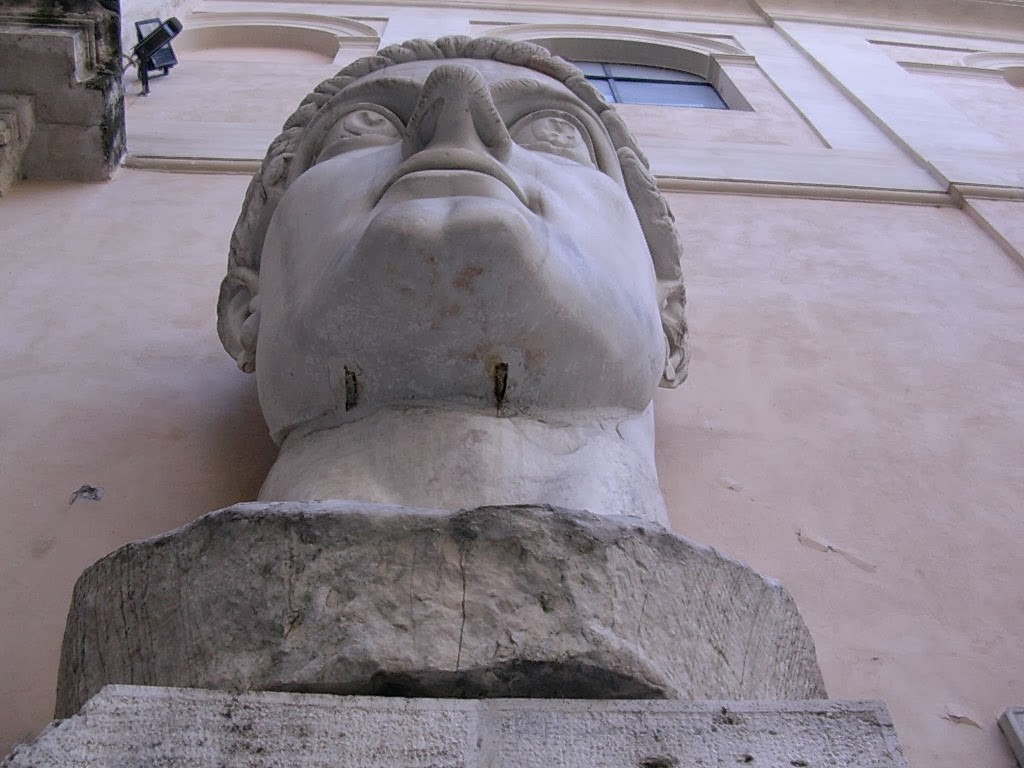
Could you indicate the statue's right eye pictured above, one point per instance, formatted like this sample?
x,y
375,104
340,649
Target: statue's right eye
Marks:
x,y
555,132
362,126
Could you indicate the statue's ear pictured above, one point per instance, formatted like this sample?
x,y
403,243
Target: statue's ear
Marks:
x,y
673,322
658,225
238,315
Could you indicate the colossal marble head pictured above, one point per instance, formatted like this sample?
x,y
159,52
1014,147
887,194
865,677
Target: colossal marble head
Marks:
x,y
463,224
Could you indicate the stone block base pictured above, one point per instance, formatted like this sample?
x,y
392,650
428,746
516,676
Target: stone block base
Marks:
x,y
360,599
129,726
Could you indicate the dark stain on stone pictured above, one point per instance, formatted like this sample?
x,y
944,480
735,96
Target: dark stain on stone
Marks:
x,y
464,280
500,377
351,389
86,493
725,717
658,761
568,679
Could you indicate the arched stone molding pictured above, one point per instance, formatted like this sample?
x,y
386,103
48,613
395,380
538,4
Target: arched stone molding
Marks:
x,y
698,43
325,35
703,55
1010,64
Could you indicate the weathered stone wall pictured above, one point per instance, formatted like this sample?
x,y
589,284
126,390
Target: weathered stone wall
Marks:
x,y
63,60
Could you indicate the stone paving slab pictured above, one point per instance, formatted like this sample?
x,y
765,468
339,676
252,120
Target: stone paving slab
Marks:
x,y
128,726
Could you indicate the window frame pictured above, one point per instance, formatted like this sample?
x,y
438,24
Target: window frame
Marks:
x,y
688,81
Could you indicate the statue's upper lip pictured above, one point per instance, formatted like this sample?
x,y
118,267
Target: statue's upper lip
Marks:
x,y
456,159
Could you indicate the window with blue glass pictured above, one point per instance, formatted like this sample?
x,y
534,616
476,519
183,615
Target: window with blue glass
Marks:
x,y
633,84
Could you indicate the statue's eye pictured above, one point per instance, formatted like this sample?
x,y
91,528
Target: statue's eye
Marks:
x,y
362,126
555,132
364,122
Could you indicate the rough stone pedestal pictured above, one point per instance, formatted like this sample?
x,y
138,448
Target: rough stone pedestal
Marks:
x,y
127,726
353,598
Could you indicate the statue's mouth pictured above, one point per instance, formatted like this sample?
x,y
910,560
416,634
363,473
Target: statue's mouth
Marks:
x,y
458,167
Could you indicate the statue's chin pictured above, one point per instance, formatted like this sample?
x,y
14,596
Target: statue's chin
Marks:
x,y
468,302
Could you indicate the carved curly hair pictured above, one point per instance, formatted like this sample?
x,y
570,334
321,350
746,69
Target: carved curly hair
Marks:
x,y
238,304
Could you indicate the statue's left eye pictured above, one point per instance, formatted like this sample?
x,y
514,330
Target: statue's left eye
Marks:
x,y
362,122
555,132
362,126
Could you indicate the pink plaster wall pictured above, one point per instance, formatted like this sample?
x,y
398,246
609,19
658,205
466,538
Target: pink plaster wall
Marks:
x,y
986,103
857,383
112,376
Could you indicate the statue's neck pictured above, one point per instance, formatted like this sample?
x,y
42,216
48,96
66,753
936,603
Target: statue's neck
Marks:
x,y
448,459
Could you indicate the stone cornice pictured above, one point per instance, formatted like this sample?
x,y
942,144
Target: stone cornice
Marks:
x,y
999,18
667,184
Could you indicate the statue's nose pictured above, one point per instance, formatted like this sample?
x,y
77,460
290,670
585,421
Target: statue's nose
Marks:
x,y
455,110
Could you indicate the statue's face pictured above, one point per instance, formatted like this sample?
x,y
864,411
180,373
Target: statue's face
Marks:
x,y
464,221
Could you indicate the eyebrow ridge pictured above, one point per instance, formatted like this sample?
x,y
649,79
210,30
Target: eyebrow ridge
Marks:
x,y
387,90
403,90
535,86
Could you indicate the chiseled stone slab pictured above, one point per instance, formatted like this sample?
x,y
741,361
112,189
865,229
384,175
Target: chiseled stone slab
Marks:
x,y
128,726
1012,725
362,599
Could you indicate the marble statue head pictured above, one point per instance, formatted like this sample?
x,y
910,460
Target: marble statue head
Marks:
x,y
463,223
